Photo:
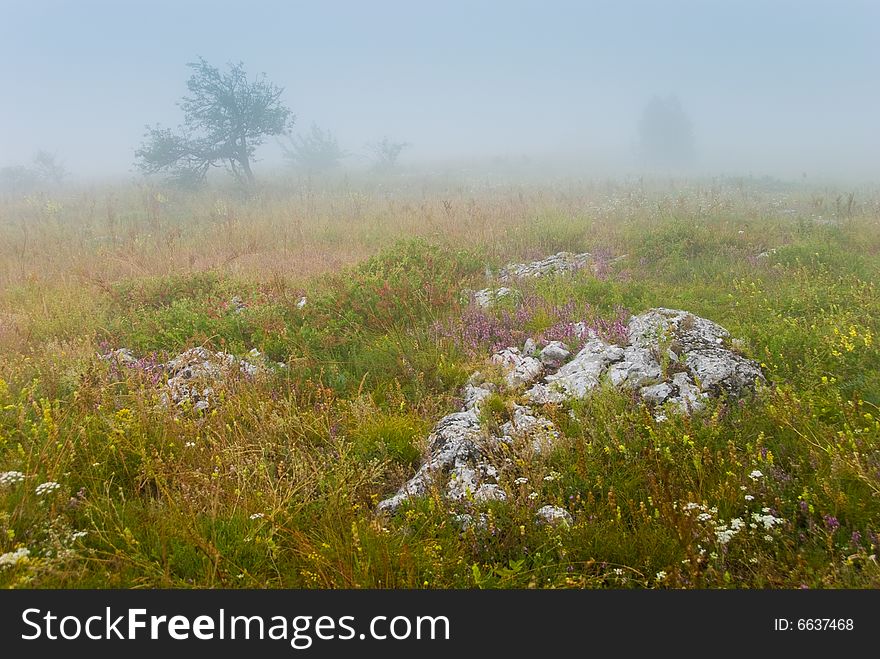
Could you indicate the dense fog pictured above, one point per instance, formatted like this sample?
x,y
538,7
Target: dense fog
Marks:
x,y
785,89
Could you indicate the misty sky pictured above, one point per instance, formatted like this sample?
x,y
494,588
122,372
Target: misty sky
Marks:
x,y
771,87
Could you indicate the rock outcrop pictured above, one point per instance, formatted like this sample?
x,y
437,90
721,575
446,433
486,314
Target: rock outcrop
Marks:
x,y
561,262
194,374
487,296
672,358
558,263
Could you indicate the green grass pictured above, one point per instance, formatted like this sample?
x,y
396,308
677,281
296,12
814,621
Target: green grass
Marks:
x,y
276,485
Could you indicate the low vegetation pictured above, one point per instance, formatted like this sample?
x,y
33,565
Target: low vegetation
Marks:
x,y
358,290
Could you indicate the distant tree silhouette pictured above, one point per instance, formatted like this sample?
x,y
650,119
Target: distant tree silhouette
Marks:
x,y
49,168
386,153
666,135
318,151
46,172
226,117
18,179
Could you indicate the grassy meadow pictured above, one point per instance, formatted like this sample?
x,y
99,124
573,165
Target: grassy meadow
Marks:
x,y
276,484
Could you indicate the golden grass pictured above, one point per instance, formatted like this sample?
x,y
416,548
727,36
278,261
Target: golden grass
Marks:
x,y
58,252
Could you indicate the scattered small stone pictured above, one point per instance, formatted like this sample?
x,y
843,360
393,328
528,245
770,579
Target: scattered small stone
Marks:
x,y
466,521
489,492
195,372
237,304
122,356
487,296
553,516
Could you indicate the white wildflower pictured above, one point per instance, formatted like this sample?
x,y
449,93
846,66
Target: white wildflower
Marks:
x,y
724,533
756,475
522,480
768,538
12,558
724,536
189,444
767,520
10,478
533,496
257,516
301,303
749,497
46,488
660,576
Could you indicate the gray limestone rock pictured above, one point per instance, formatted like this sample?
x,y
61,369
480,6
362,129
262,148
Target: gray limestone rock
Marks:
x,y
553,516
518,369
672,358
554,353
